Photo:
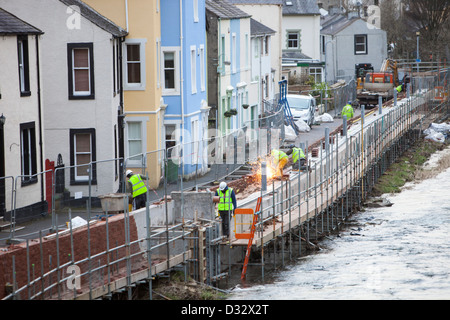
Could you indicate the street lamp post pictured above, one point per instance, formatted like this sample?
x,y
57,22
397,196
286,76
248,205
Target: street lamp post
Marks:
x,y
418,58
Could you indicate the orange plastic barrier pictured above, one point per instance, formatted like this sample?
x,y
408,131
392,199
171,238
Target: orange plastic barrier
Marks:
x,y
243,217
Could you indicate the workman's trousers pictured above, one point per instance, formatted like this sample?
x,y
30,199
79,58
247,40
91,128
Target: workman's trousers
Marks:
x,y
281,164
226,217
298,164
139,201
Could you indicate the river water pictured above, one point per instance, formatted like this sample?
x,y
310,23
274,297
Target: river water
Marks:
x,y
398,252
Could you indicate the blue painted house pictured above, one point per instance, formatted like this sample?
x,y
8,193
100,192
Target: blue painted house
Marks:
x,y
183,82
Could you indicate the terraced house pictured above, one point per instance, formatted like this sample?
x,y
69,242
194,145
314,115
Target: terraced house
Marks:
x,y
182,72
143,107
229,73
21,127
81,100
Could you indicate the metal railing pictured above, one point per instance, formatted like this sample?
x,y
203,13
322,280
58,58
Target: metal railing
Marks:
x,y
341,175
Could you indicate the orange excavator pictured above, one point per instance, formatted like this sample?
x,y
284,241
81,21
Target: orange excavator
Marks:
x,y
376,84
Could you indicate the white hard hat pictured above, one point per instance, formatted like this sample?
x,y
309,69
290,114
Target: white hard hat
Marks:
x,y
222,185
129,173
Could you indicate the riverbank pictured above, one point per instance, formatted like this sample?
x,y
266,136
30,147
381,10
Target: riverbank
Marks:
x,y
410,167
176,288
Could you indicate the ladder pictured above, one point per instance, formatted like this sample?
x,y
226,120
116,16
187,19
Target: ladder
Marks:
x,y
250,240
283,103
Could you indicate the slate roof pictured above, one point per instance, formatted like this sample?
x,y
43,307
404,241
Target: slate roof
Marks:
x,y
300,7
334,24
257,28
225,10
293,55
12,25
96,18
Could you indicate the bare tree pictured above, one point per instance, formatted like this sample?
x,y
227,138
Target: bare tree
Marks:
x,y
431,18
396,28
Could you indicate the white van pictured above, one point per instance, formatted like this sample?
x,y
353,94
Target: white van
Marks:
x,y
302,107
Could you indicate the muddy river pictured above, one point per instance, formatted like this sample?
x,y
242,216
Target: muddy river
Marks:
x,y
397,252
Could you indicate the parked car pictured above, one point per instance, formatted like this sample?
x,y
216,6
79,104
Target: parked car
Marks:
x,y
302,107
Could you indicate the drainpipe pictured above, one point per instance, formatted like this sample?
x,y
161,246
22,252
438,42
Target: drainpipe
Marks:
x,y
181,86
120,115
260,94
219,77
39,114
126,13
182,107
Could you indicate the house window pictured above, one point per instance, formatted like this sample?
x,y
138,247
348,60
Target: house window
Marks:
x,y
195,141
81,70
135,143
134,63
171,139
28,153
82,153
233,52
193,71
246,51
266,86
195,2
134,57
222,54
24,73
316,73
266,48
293,39
361,44
202,68
170,71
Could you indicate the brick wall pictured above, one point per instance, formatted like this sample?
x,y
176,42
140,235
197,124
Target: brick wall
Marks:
x,y
45,254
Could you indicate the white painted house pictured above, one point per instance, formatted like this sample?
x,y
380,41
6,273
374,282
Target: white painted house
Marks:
x,y
346,40
21,127
262,87
301,39
81,87
269,13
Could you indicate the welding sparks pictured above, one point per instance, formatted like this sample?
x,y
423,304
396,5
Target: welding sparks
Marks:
x,y
256,169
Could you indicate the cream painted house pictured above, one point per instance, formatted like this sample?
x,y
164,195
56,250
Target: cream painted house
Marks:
x,y
143,107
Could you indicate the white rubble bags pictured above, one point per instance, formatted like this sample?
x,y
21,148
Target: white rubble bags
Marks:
x,y
437,132
289,132
324,118
303,126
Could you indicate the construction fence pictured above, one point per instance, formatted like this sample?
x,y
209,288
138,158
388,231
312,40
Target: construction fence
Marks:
x,y
342,170
109,252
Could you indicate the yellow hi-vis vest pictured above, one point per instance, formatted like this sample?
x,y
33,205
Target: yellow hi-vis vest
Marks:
x,y
347,111
225,201
277,155
296,154
138,185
